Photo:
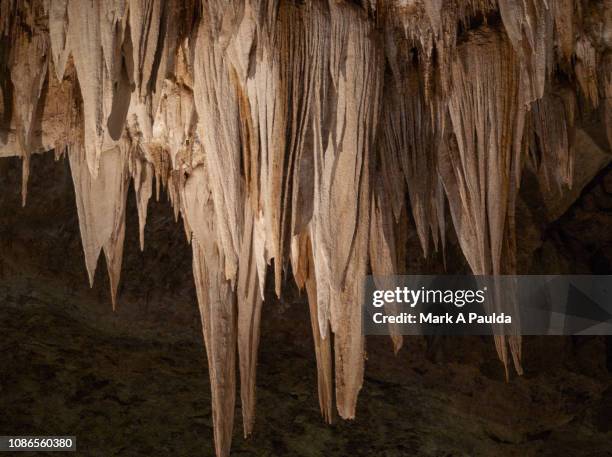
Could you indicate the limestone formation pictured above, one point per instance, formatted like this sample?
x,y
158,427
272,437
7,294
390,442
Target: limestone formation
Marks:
x,y
304,138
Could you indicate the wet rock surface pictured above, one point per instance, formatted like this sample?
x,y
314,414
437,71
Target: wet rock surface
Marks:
x,y
135,382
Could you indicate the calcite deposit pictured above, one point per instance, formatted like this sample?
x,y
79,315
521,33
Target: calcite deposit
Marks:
x,y
305,138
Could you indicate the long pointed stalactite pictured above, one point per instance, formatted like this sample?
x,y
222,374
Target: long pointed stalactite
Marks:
x,y
479,166
303,138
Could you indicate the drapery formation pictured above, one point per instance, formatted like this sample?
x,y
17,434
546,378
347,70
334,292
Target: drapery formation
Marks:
x,y
302,135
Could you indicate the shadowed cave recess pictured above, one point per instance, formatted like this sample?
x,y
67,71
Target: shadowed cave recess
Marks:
x,y
243,165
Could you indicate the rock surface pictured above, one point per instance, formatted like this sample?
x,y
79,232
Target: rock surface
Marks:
x,y
310,139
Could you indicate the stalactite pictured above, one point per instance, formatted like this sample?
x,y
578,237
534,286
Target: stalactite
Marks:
x,y
552,120
94,38
217,301
218,128
410,139
101,204
586,69
383,251
249,314
144,20
304,273
344,207
564,29
28,64
479,169
142,173
303,134
529,25
262,86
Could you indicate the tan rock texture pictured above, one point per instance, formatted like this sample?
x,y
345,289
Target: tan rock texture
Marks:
x,y
311,136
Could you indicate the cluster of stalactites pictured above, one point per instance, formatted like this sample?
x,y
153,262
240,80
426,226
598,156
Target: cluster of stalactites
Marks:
x,y
301,134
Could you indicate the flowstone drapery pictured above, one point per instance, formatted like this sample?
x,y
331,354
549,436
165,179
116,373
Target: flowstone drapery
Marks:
x,y
301,135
